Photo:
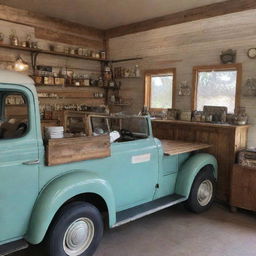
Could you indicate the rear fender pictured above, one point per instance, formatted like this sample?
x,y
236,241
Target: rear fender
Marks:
x,y
190,169
59,191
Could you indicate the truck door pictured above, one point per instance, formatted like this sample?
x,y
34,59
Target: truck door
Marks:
x,y
137,174
18,161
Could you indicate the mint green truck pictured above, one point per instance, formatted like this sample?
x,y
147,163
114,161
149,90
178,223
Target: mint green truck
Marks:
x,y
67,206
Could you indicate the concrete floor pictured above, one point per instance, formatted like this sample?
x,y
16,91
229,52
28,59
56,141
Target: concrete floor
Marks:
x,y
177,232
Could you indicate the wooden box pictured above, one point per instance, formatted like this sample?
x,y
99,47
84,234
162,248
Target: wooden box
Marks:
x,y
243,187
68,150
247,158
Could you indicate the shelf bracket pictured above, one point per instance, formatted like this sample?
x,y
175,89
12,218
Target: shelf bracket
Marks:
x,y
34,56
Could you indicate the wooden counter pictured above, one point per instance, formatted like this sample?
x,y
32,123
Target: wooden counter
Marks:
x,y
225,139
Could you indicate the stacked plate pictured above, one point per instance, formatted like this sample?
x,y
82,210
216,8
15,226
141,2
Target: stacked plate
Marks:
x,y
54,132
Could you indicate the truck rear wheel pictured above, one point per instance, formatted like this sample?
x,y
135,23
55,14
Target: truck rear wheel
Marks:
x,y
202,192
76,231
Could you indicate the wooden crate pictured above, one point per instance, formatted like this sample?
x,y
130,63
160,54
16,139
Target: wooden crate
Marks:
x,y
243,189
68,150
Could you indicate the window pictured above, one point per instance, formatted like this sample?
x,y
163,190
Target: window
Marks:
x,y
14,115
129,127
217,86
160,89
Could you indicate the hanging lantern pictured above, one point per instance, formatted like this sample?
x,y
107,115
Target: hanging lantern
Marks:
x,y
20,65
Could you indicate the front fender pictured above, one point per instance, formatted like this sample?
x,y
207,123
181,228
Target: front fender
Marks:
x,y
190,169
59,191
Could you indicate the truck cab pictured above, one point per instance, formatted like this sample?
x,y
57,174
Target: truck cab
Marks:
x,y
67,202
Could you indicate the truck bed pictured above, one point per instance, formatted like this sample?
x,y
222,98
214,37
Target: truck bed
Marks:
x,y
175,147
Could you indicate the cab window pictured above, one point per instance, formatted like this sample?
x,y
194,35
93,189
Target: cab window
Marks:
x,y
129,128
14,115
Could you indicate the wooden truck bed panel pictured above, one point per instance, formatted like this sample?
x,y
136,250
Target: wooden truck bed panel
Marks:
x,y
68,150
175,147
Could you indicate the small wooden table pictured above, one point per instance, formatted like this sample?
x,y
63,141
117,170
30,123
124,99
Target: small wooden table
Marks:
x,y
175,147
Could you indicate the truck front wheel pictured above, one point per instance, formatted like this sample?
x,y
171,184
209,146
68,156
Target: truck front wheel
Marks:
x,y
202,192
76,231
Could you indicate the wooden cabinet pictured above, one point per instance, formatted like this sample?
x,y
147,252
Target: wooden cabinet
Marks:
x,y
243,189
226,140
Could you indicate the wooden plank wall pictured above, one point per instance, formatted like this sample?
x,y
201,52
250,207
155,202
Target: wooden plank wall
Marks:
x,y
48,31
186,45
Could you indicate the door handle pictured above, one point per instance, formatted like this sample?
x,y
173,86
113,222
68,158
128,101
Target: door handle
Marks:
x,y
31,162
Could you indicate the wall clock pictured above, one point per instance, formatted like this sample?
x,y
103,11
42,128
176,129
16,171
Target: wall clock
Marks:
x,y
252,53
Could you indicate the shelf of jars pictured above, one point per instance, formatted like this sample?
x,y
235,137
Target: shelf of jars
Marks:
x,y
127,73
98,56
78,53
51,87
70,95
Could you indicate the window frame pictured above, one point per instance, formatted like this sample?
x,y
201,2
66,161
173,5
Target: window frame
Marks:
x,y
147,87
221,67
4,94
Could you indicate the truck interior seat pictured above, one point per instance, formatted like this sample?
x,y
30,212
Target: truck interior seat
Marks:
x,y
13,129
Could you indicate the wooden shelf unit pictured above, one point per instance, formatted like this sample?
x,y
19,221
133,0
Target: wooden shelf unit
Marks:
x,y
243,190
35,52
38,51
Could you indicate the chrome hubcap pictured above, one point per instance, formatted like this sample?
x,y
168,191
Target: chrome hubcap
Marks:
x,y
205,191
78,237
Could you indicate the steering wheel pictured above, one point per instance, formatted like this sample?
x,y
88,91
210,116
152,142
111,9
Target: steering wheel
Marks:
x,y
21,130
126,134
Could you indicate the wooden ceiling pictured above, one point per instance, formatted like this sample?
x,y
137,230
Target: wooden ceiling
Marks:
x,y
117,18
105,14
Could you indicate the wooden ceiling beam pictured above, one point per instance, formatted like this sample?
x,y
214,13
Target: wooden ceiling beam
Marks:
x,y
204,12
38,20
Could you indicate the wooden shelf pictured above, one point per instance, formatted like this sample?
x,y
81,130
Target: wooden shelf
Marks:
x,y
38,51
119,104
130,77
71,97
49,87
16,105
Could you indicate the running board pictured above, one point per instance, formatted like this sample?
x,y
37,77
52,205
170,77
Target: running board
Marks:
x,y
13,247
140,211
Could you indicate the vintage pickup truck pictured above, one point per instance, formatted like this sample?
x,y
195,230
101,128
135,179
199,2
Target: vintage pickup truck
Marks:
x,y
65,205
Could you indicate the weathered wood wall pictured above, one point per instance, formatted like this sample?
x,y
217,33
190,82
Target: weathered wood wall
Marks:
x,y
46,31
186,45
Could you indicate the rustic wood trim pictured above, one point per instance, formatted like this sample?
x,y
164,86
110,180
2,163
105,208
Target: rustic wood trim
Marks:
x,y
201,124
203,12
32,19
237,67
55,36
194,90
147,87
